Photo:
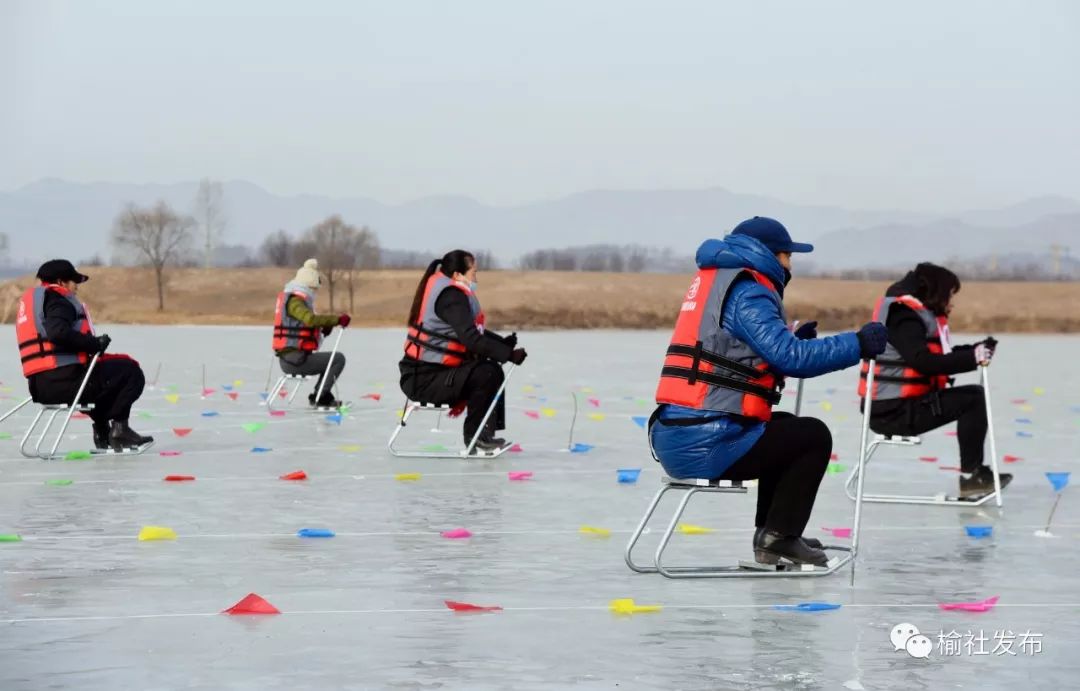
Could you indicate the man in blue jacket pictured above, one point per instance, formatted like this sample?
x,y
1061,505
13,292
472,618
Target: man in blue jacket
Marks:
x,y
723,373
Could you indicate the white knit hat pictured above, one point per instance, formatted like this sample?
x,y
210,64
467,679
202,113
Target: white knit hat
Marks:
x,y
308,274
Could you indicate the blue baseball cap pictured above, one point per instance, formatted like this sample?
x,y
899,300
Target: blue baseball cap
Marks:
x,y
772,234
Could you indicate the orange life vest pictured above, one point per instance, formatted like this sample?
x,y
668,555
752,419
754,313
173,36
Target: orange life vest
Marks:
x,y
37,352
433,340
707,368
894,378
293,333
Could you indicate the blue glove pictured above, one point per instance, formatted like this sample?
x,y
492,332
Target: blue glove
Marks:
x,y
873,338
806,331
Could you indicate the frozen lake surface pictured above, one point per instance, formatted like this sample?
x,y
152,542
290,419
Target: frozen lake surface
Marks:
x,y
86,605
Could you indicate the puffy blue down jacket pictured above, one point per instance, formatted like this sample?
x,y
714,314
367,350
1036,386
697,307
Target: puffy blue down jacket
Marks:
x,y
752,314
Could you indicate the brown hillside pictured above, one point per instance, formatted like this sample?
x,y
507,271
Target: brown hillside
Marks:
x,y
535,299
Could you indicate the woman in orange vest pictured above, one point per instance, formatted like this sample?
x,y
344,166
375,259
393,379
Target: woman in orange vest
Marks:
x,y
298,333
450,356
56,340
911,389
723,373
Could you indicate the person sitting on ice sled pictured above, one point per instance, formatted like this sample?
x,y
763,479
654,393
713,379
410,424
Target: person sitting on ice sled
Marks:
x,y
723,373
56,341
299,330
450,357
912,393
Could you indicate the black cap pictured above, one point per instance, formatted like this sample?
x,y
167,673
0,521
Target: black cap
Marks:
x,y
60,270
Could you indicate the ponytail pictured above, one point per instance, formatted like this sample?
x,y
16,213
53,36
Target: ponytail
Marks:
x,y
414,311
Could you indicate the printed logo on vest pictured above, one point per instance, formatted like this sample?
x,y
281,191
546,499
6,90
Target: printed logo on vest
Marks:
x,y
692,293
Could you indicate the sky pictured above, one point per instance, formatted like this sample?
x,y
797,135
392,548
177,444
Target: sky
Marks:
x,y
920,105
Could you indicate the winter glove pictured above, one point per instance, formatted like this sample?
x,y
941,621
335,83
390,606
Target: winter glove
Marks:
x,y
511,340
806,331
873,338
103,342
344,320
983,354
518,356
326,330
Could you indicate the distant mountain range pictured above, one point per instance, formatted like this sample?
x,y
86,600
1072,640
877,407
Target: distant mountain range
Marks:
x,y
53,217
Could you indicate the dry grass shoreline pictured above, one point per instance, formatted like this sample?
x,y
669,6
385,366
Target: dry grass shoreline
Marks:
x,y
536,300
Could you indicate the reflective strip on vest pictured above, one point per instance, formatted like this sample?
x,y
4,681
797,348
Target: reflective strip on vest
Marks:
x,y
706,367
290,332
432,339
37,352
894,378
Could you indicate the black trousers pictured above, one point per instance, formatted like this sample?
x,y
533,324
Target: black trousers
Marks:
x,y
966,405
113,388
788,461
475,382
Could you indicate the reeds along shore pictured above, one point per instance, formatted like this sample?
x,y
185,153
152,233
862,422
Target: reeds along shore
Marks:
x,y
535,300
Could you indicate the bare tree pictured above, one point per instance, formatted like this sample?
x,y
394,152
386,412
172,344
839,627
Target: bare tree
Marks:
x,y
277,249
158,234
485,261
341,249
4,247
635,263
594,261
363,246
210,214
616,262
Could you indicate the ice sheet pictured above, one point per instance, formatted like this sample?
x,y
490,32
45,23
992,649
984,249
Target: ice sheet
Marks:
x,y
85,605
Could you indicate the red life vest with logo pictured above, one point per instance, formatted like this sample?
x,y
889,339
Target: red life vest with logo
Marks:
x,y
37,352
893,377
707,368
293,333
433,340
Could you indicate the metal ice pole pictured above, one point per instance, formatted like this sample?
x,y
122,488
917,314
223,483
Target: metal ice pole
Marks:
x,y
329,364
573,421
490,410
985,371
863,438
16,409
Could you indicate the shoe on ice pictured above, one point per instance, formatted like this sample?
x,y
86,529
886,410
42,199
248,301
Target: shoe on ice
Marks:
x,y
981,483
811,542
123,437
489,445
327,400
101,435
771,547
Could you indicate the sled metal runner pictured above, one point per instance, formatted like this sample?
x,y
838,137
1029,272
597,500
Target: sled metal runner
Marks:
x,y
470,451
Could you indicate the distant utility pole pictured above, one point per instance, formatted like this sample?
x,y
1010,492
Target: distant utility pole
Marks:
x,y
210,215
1057,251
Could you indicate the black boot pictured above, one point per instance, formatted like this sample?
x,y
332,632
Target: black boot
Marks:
x,y
981,483
123,437
811,542
493,444
772,547
327,400
101,434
